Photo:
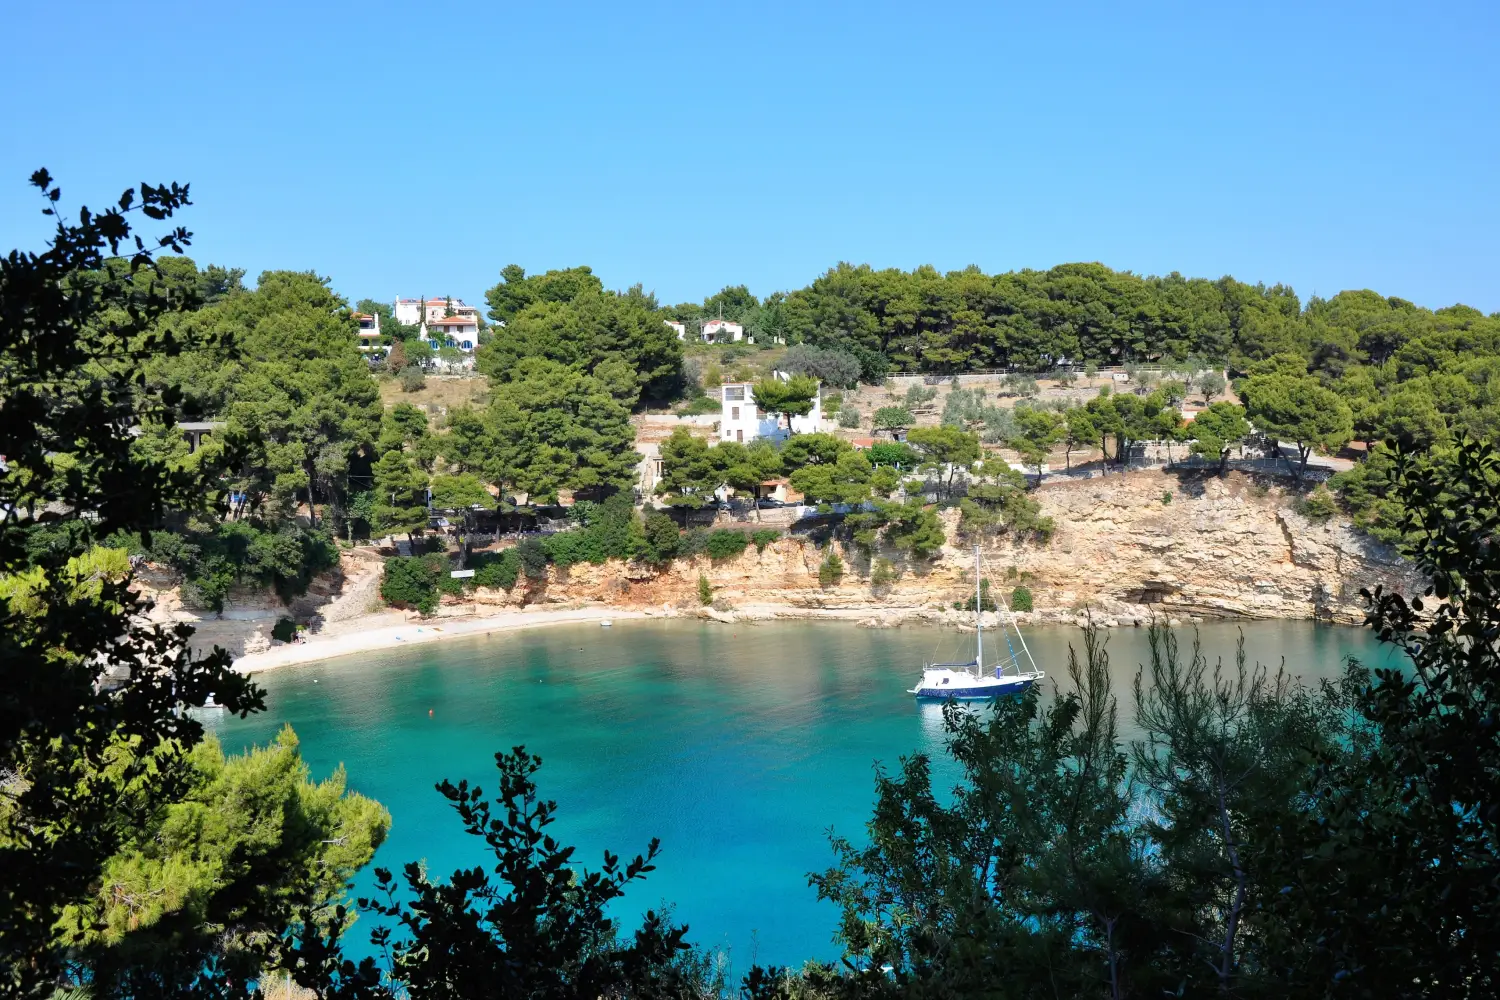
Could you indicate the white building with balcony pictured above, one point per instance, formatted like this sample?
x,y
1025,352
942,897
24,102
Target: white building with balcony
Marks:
x,y
741,420
461,332
722,331
369,330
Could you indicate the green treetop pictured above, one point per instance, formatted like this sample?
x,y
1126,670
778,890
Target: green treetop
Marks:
x,y
1036,432
691,471
462,496
1298,409
1217,429
556,428
793,397
945,450
400,501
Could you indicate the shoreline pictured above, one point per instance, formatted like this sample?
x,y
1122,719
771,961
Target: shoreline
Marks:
x,y
349,642
418,633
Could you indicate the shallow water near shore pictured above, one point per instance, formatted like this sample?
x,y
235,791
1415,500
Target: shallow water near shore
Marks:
x,y
738,745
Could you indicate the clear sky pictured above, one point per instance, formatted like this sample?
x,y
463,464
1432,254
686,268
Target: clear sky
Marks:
x,y
416,148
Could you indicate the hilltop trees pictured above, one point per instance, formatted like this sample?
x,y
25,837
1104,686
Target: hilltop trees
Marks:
x,y
516,290
554,428
1036,432
1217,429
945,450
839,369
618,337
1286,407
295,384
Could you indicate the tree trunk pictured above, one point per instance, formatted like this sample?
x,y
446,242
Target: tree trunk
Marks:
x,y
312,506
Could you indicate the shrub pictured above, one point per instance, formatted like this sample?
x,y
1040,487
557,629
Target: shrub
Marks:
x,y
892,453
1319,505
211,561
497,571
920,395
705,591
442,571
884,574
610,530
412,379
1166,497
409,582
726,542
1020,599
849,417
662,539
693,542
986,602
832,570
700,406
831,403
764,537
893,418
532,556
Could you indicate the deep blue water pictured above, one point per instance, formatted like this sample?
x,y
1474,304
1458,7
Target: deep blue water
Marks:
x,y
738,746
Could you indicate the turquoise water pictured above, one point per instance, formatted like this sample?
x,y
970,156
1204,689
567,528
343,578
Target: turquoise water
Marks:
x,y
738,746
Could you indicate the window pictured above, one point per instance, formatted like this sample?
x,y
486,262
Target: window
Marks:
x,y
734,393
739,435
468,345
734,413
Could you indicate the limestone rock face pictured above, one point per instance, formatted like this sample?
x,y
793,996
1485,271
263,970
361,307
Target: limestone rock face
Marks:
x,y
341,597
1225,548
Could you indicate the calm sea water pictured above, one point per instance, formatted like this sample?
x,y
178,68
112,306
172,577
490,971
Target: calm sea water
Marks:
x,y
739,746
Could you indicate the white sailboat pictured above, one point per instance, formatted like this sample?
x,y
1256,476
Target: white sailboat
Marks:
x,y
970,681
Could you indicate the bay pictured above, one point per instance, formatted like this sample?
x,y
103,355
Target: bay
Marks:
x,y
740,746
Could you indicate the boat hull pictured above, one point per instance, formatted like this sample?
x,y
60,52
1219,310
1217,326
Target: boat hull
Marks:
x,y
945,684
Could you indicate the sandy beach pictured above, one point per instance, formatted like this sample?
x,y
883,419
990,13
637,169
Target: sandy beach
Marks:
x,y
324,647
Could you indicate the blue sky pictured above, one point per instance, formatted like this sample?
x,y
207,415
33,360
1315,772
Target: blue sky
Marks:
x,y
416,148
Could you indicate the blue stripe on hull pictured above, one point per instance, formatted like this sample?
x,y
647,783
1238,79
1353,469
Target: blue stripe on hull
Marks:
x,y
971,694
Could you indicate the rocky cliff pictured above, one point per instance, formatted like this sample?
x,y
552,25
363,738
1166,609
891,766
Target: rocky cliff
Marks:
x,y
1125,547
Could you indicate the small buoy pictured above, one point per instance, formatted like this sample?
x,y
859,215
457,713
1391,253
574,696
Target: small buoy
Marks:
x,y
315,680
429,713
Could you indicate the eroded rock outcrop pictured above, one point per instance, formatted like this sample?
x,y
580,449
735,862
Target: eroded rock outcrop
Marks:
x,y
1215,548
1226,548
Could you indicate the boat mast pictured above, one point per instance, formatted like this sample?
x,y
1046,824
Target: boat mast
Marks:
x,y
978,619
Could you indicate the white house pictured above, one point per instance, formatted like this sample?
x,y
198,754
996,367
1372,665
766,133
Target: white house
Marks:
x,y
740,419
416,312
369,331
461,332
408,312
718,331
681,328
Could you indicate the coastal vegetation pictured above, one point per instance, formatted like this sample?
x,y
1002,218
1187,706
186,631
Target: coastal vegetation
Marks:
x,y
137,858
1257,837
